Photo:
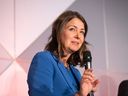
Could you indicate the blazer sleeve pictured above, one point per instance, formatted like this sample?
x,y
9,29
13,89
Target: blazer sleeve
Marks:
x,y
40,75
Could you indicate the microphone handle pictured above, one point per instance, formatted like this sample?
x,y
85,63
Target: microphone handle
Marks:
x,y
89,66
91,94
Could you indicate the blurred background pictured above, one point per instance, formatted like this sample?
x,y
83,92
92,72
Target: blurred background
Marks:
x,y
25,26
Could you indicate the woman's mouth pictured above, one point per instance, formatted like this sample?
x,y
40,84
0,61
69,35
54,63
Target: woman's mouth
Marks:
x,y
75,42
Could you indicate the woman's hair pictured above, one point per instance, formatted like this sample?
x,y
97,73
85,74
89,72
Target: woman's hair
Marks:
x,y
54,44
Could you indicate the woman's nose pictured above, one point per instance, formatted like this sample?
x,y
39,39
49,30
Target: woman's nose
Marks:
x,y
77,35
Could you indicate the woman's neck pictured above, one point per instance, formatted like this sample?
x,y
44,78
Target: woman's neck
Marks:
x,y
64,60
65,57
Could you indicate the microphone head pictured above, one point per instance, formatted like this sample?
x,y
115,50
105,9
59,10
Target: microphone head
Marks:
x,y
87,56
87,59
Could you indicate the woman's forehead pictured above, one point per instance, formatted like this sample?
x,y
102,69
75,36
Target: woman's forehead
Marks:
x,y
75,22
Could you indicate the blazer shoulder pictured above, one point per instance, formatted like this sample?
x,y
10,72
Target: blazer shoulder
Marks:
x,y
42,60
42,55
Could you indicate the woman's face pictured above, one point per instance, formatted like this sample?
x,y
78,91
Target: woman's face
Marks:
x,y
72,36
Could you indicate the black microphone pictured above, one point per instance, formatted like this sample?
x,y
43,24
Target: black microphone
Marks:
x,y
87,60
88,64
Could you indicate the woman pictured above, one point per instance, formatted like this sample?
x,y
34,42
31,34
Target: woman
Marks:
x,y
52,72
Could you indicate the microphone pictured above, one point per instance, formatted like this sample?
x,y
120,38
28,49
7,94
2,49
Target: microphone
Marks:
x,y
88,64
87,60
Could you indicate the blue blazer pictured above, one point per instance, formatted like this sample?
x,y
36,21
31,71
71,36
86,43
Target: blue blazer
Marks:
x,y
47,77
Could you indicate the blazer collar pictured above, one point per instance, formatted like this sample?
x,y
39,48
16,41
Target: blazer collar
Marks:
x,y
64,71
76,73
68,78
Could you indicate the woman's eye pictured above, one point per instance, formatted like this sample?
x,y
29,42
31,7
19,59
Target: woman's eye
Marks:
x,y
82,32
71,29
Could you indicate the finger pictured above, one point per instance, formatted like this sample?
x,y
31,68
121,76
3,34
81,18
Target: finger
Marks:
x,y
88,74
88,84
95,84
88,70
90,78
87,81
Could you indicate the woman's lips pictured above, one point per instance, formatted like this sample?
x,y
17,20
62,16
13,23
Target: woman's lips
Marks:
x,y
75,42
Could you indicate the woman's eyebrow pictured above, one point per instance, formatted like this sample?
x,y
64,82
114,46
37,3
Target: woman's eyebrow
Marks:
x,y
75,27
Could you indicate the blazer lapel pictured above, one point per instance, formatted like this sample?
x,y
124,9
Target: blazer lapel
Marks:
x,y
76,73
66,76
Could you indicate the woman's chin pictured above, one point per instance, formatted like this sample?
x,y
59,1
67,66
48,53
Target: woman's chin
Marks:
x,y
74,50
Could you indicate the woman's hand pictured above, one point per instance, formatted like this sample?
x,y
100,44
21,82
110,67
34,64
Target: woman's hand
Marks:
x,y
88,83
